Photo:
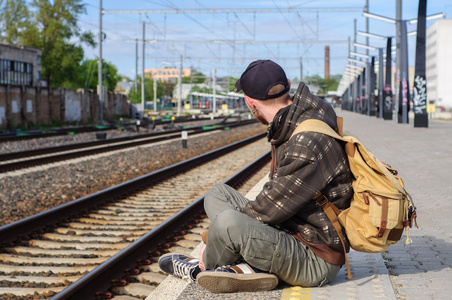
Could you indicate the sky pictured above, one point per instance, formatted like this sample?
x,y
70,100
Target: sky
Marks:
x,y
228,41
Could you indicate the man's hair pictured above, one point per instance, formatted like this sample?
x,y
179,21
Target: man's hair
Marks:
x,y
278,88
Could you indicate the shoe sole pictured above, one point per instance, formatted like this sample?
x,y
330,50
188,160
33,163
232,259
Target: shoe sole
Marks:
x,y
220,282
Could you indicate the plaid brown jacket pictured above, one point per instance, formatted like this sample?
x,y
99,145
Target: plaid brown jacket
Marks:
x,y
306,164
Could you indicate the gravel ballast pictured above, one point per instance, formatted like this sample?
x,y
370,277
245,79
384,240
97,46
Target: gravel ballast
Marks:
x,y
33,192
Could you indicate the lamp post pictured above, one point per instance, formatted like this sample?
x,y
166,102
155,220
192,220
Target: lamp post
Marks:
x,y
366,78
380,83
420,82
387,92
384,89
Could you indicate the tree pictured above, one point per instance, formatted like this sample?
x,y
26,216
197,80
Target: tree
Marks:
x,y
167,87
232,82
88,72
135,97
53,30
197,88
15,19
196,77
333,82
325,85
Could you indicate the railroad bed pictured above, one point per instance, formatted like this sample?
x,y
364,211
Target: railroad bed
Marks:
x,y
15,146
29,191
26,159
111,130
44,264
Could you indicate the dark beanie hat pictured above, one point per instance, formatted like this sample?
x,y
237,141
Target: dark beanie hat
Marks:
x,y
259,77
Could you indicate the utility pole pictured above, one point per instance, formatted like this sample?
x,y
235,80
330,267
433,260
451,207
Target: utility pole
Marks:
x,y
155,94
143,101
301,69
367,28
380,83
387,90
100,93
214,98
354,34
350,89
191,90
420,82
398,54
357,87
136,66
402,87
180,89
349,47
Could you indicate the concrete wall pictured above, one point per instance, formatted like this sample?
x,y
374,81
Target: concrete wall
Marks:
x,y
29,104
439,63
3,106
24,106
73,106
43,108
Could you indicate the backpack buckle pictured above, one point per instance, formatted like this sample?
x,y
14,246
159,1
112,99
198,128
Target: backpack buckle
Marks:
x,y
321,200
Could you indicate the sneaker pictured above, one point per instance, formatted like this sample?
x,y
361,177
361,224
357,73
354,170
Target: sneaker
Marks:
x,y
180,265
237,278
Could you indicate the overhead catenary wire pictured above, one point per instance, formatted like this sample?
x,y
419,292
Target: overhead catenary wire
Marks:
x,y
238,41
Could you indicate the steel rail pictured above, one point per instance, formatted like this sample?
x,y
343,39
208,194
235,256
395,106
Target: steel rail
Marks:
x,y
14,136
49,218
108,145
99,280
48,150
43,151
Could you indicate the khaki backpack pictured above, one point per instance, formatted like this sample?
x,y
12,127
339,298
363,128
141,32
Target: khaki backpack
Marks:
x,y
380,208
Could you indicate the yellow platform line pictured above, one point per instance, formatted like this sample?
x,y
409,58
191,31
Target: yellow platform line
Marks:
x,y
296,293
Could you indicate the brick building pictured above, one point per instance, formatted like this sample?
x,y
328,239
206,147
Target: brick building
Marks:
x,y
168,74
20,65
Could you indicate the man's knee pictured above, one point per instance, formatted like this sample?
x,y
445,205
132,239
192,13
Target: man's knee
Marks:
x,y
216,192
226,225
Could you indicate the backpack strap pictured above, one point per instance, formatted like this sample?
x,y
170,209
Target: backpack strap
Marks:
x,y
315,125
332,212
329,208
340,125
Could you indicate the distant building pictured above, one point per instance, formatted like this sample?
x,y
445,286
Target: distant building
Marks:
x,y
123,87
20,65
439,63
187,88
168,74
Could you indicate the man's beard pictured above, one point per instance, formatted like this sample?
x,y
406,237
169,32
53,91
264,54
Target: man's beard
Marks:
x,y
260,118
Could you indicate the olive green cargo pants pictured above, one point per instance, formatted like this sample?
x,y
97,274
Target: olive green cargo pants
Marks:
x,y
233,235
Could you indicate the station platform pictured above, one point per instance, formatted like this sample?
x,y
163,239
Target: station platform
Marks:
x,y
421,270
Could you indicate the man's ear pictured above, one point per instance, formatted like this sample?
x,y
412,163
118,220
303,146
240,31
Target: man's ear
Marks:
x,y
251,102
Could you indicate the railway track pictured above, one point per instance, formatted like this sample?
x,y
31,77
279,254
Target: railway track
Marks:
x,y
26,159
107,243
24,135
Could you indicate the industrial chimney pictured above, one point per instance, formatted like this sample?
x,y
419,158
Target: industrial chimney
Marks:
x,y
327,62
